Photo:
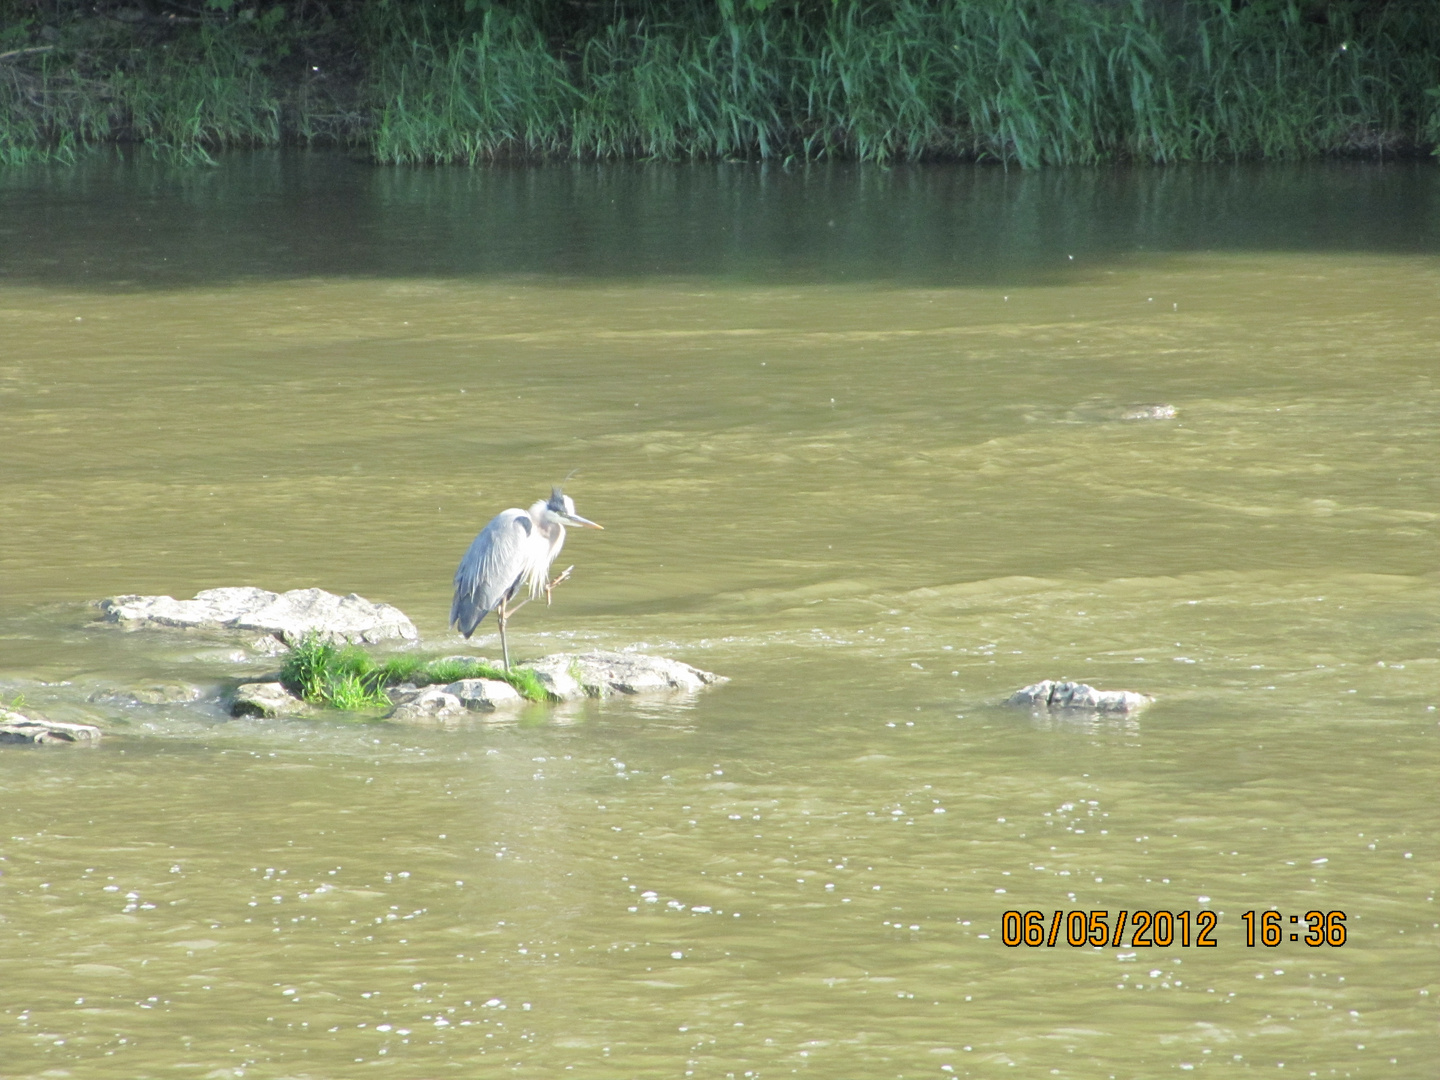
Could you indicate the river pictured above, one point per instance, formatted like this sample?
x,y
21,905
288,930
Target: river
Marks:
x,y
856,437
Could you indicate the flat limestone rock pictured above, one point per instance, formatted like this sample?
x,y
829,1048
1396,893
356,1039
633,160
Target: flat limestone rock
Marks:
x,y
485,695
289,616
447,703
18,728
1052,694
567,676
267,699
430,705
571,676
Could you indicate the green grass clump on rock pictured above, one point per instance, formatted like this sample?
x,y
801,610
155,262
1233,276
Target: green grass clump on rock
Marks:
x,y
347,677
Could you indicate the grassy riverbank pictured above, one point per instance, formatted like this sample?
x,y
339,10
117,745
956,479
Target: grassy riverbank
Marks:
x,y
1031,82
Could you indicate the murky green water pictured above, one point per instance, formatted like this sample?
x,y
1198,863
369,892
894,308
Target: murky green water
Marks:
x,y
854,436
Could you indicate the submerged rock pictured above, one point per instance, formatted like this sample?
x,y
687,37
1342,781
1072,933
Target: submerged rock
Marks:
x,y
570,676
1106,411
153,694
18,728
1052,694
1156,411
289,616
267,699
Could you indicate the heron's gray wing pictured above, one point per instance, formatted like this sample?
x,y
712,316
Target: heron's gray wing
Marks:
x,y
495,562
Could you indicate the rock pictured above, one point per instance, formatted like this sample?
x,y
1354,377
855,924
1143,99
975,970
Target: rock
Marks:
x,y
1157,411
449,702
485,695
267,699
1051,694
559,679
599,674
155,694
288,616
567,676
433,704
400,695
18,728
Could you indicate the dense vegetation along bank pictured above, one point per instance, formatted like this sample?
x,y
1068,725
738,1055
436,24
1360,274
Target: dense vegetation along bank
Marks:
x,y
1031,82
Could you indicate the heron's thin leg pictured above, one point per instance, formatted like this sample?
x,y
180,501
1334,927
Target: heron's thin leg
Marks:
x,y
503,616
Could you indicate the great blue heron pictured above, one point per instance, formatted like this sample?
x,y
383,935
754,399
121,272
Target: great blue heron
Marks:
x,y
516,548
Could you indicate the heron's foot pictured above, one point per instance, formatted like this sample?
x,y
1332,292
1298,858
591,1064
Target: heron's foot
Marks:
x,y
551,586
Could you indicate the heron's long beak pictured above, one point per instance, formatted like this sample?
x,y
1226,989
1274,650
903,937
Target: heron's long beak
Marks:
x,y
586,523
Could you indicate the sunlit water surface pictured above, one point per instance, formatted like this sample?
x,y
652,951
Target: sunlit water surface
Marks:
x,y
856,440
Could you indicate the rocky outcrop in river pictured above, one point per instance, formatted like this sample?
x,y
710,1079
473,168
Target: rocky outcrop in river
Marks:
x,y
440,703
567,677
18,728
289,616
570,676
1052,694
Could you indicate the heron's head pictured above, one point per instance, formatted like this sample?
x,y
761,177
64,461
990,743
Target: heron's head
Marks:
x,y
562,506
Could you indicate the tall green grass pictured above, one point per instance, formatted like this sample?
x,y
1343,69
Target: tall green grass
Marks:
x,y
500,90
180,95
185,102
1029,82
347,677
1032,82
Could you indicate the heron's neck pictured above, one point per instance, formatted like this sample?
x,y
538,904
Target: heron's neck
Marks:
x,y
550,526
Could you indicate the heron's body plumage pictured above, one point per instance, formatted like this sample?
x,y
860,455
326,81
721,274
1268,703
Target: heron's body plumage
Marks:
x,y
514,550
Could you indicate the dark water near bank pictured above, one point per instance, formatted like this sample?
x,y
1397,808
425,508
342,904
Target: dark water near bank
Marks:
x,y
114,224
855,438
